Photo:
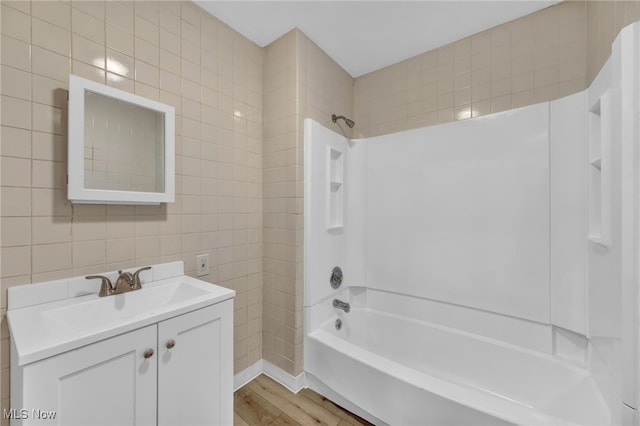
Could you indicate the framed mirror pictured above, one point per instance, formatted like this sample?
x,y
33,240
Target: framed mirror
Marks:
x,y
121,146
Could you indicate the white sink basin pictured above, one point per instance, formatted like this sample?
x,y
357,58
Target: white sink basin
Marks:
x,y
124,306
46,329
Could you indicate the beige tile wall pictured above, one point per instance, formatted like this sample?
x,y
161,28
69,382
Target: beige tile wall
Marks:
x,y
605,19
536,58
168,51
324,89
300,81
280,203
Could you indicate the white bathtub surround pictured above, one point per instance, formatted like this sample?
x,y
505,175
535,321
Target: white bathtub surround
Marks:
x,y
613,101
571,347
516,331
473,352
326,195
491,264
460,213
293,383
444,375
567,212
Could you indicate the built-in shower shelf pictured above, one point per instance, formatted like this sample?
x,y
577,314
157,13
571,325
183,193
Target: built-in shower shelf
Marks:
x,y
595,108
596,239
335,176
602,132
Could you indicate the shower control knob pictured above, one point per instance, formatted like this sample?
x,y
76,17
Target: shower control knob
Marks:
x,y
148,353
171,343
336,277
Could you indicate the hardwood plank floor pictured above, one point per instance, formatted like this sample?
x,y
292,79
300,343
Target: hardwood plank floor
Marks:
x,y
263,401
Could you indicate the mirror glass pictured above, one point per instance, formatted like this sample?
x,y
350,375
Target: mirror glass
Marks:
x,y
123,145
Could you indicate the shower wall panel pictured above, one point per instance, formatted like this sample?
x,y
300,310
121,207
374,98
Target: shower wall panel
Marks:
x,y
568,211
326,176
459,213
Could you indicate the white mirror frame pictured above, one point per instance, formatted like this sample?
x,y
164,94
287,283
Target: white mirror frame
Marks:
x,y
77,193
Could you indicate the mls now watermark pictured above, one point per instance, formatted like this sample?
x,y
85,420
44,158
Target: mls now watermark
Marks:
x,y
24,414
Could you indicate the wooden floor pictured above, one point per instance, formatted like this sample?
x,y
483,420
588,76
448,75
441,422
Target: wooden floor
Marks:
x,y
263,401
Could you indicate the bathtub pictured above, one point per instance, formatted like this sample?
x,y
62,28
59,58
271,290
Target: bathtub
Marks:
x,y
443,376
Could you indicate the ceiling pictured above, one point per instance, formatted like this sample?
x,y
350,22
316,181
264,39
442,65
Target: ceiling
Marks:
x,y
363,36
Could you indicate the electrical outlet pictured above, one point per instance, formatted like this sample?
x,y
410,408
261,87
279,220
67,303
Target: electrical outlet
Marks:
x,y
202,265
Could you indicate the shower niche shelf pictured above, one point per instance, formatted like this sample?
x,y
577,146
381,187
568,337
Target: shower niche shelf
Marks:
x,y
600,133
335,202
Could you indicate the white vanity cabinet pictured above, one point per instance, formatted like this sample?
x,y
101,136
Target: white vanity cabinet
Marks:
x,y
195,376
105,383
178,371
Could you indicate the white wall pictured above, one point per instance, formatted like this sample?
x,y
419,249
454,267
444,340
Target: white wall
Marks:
x,y
482,222
460,213
568,213
613,273
325,210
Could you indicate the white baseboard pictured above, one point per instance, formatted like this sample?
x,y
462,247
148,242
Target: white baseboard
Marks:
x,y
247,375
293,383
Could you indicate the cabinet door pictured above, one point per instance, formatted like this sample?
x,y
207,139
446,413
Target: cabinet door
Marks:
x,y
105,383
195,374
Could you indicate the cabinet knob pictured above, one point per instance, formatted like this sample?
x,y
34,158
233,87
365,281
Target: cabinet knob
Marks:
x,y
148,353
171,343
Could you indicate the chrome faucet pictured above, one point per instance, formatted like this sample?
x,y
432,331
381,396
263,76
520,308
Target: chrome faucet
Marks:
x,y
126,282
339,304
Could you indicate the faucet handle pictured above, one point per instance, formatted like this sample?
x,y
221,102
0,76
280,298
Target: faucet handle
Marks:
x,y
127,276
136,277
106,288
124,282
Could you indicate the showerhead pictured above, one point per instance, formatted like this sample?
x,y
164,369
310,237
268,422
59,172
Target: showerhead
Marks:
x,y
348,121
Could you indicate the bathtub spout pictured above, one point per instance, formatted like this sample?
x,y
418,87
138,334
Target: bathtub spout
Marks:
x,y
338,304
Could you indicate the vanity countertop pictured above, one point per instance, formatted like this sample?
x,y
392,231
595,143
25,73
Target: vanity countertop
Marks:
x,y
41,327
